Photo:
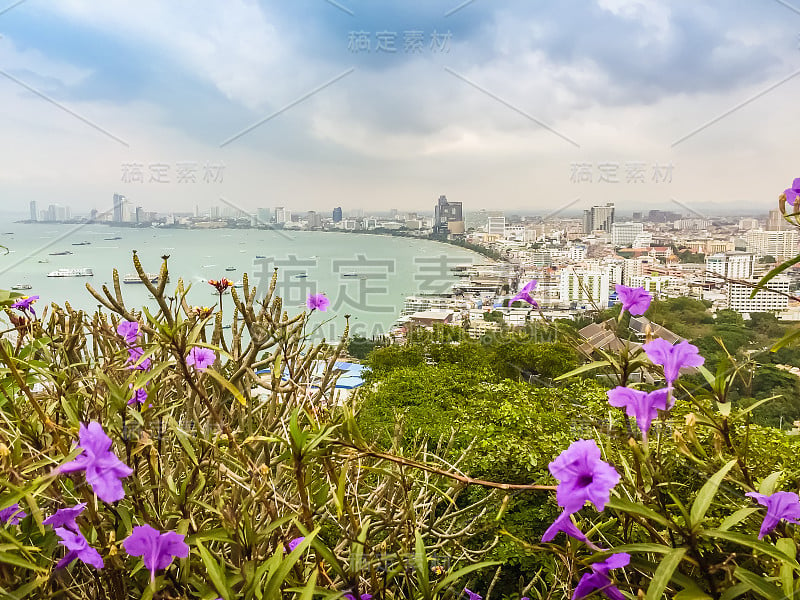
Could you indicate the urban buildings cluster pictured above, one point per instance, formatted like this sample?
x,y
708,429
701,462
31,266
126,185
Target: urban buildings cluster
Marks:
x,y
577,263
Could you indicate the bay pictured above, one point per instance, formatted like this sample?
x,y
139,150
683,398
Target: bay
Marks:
x,y
366,276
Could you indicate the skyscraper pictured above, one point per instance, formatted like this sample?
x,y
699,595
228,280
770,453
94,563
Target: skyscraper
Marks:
x,y
337,214
445,213
34,212
598,217
120,203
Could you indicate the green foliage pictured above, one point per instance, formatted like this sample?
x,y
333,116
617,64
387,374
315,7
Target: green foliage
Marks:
x,y
239,464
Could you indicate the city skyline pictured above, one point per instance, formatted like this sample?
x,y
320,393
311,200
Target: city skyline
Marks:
x,y
318,104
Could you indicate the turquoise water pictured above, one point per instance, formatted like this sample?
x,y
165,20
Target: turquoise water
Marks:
x,y
366,276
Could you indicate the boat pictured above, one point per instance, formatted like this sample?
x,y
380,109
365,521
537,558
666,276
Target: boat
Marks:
x,y
116,237
239,284
301,276
81,243
134,278
350,274
80,272
62,253
259,256
43,260
230,268
21,286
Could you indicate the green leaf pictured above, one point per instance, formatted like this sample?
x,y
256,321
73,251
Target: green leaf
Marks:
x,y
215,571
453,577
227,385
736,518
663,574
598,364
627,506
758,584
273,587
706,494
776,271
735,591
357,549
751,542
786,545
767,485
421,565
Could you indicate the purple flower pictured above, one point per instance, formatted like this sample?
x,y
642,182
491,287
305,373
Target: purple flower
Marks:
x,y
200,358
103,469
362,597
599,579
25,303
563,523
672,358
525,294
640,405
294,543
318,302
780,505
582,476
135,354
12,515
129,330
65,517
139,396
472,595
156,549
77,547
794,191
635,300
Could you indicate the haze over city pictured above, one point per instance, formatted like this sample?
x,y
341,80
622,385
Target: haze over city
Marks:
x,y
527,107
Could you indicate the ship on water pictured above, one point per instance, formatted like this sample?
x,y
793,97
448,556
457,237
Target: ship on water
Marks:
x,y
62,253
134,278
80,272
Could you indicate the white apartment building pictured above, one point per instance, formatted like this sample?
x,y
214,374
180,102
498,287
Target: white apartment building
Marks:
x,y
496,226
764,301
780,244
632,267
515,232
736,265
577,253
643,240
583,287
658,285
748,224
624,234
692,224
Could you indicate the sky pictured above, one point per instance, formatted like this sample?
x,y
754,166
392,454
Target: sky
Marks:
x,y
543,107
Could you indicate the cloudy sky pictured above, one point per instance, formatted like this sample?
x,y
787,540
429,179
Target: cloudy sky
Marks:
x,y
687,105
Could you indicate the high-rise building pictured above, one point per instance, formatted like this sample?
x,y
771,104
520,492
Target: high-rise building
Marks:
x,y
34,212
282,215
782,245
734,265
444,213
584,289
776,222
765,300
314,219
624,234
120,203
337,214
598,217
263,217
496,225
